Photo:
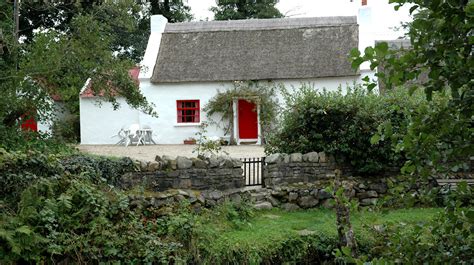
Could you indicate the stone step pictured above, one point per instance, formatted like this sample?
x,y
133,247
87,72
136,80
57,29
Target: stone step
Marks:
x,y
257,196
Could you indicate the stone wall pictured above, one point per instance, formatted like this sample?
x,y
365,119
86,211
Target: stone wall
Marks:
x,y
285,169
292,181
215,173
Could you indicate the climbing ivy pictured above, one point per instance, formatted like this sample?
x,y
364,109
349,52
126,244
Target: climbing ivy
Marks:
x,y
262,94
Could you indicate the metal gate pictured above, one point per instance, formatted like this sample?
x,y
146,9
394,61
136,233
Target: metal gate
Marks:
x,y
253,171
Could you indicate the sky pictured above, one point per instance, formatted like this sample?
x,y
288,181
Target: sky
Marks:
x,y
385,18
292,8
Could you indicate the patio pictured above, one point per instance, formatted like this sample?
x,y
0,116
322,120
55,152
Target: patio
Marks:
x,y
148,152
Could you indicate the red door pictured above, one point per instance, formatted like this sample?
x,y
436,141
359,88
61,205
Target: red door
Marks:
x,y
28,123
248,121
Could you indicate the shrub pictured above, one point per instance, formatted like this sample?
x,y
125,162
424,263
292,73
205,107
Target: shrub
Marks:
x,y
67,130
98,169
342,125
71,220
446,239
14,139
18,170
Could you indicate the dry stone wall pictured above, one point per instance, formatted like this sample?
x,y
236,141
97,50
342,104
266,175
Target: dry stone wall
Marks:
x,y
215,173
285,169
292,181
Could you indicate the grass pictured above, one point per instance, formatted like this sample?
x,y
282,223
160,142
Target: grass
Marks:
x,y
278,223
273,231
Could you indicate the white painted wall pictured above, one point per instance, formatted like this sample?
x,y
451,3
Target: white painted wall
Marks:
x,y
166,128
164,96
100,122
157,27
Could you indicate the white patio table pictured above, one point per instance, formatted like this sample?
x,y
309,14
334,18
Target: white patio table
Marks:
x,y
141,134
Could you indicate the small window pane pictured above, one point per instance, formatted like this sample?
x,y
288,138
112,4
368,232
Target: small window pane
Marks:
x,y
188,111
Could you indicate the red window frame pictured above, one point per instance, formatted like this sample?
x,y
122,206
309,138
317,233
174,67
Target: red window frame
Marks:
x,y
188,111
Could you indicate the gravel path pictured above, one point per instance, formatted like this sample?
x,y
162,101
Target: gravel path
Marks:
x,y
149,152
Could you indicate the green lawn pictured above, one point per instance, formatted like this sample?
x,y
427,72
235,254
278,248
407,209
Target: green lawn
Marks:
x,y
271,232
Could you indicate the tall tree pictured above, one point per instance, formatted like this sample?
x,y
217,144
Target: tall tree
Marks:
x,y
58,15
173,10
245,9
58,62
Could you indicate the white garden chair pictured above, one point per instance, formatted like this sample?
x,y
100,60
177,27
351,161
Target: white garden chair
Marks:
x,y
122,135
135,133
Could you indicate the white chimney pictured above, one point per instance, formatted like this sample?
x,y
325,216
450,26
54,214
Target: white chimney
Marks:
x,y
158,23
157,27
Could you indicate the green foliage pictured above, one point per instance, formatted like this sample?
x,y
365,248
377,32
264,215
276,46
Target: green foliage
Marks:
x,y
77,221
207,147
57,61
173,10
220,108
301,237
439,140
343,125
245,9
446,239
14,139
67,130
440,60
238,215
18,170
98,169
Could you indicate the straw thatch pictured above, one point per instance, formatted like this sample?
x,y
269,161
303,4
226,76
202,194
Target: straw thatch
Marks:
x,y
256,50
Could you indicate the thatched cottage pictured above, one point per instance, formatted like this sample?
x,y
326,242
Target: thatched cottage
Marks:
x,y
185,64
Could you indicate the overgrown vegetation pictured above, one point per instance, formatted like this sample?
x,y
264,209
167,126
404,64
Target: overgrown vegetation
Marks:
x,y
56,208
262,94
14,139
73,220
69,208
303,237
19,170
342,124
439,62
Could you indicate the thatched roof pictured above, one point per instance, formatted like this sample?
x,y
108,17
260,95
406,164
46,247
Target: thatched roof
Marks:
x,y
263,49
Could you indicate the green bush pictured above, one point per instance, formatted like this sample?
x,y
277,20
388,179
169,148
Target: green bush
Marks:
x,y
446,239
70,220
15,139
67,130
343,125
18,170
96,168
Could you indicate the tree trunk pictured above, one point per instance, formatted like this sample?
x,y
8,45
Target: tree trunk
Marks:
x,y
343,219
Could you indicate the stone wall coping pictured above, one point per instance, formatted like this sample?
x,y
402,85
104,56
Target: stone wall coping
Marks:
x,y
311,157
182,163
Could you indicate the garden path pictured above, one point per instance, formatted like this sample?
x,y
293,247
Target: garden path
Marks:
x,y
148,152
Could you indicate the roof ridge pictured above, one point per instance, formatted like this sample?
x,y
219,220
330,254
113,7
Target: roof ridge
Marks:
x,y
259,24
